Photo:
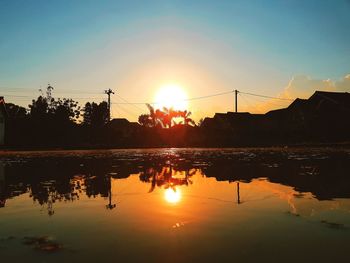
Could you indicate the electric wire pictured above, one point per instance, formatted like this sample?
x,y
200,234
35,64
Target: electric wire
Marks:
x,y
264,96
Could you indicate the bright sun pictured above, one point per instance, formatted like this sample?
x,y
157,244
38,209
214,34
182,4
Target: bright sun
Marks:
x,y
171,96
172,196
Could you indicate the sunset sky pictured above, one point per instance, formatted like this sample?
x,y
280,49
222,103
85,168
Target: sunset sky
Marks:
x,y
275,48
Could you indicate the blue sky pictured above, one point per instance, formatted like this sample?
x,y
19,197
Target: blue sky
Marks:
x,y
135,46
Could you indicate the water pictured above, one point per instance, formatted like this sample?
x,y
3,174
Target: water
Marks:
x,y
175,205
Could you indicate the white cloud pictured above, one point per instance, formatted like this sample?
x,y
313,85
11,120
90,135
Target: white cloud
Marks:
x,y
303,87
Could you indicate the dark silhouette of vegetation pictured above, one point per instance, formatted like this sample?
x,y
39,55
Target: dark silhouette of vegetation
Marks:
x,y
164,118
62,123
95,115
15,112
145,120
60,110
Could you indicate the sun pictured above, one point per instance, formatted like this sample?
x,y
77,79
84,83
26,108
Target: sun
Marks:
x,y
172,196
171,96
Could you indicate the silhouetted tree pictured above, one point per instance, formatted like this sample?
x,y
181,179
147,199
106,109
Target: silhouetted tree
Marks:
x,y
15,112
65,110
200,122
145,120
186,117
164,117
87,112
95,114
60,110
39,108
152,114
169,115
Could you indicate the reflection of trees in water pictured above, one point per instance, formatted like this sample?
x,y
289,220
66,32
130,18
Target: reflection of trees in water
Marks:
x,y
54,182
166,176
66,179
49,192
100,186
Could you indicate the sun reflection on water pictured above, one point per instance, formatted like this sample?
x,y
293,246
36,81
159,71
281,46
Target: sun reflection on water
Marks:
x,y
172,196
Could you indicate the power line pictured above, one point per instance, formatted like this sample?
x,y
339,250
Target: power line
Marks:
x,y
189,99
127,102
129,112
209,96
31,97
263,100
19,96
263,96
248,103
63,91
212,95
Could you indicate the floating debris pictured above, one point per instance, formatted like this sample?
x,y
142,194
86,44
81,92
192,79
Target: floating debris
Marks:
x,y
7,238
293,214
42,243
333,225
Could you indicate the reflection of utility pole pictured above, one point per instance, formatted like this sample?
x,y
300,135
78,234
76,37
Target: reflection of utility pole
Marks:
x,y
236,106
109,92
238,196
110,206
50,210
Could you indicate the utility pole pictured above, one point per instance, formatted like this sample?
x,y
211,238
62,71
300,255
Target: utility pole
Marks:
x,y
236,93
109,92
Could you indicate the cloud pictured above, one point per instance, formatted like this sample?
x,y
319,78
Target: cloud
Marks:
x,y
303,86
344,84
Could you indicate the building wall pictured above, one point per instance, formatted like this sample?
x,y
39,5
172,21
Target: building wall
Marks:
x,y
2,128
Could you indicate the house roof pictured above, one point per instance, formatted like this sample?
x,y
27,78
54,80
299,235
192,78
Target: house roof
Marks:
x,y
122,123
340,98
297,103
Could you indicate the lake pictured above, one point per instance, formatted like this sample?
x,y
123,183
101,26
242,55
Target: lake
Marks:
x,y
175,205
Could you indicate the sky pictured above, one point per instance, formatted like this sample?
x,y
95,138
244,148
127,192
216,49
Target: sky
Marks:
x,y
284,49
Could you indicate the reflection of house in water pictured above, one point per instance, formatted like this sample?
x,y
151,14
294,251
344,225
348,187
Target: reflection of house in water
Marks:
x,y
2,185
325,176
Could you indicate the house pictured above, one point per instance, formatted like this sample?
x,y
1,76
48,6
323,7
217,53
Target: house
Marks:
x,y
123,127
325,116
3,116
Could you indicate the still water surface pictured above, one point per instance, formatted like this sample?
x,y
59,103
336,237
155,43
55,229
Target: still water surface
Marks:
x,y
175,205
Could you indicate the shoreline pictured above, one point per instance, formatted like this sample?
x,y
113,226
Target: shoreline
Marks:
x,y
11,151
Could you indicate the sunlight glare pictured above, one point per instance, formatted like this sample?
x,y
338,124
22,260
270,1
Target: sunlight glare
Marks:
x,y
172,196
171,96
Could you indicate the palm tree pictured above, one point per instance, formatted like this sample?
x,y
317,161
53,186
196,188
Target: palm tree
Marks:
x,y
160,117
170,114
152,114
186,117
